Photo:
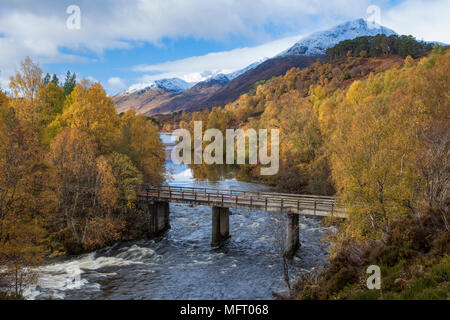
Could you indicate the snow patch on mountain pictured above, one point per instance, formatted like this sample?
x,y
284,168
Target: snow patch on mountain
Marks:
x,y
174,85
238,73
229,76
317,43
177,85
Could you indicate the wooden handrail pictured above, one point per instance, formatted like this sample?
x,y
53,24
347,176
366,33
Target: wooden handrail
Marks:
x,y
273,194
286,201
266,200
293,198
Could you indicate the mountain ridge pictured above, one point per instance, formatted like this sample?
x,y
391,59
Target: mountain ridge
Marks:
x,y
220,89
317,43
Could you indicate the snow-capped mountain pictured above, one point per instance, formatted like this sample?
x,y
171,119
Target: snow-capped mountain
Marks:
x,y
234,75
167,95
219,87
178,86
219,78
317,43
174,85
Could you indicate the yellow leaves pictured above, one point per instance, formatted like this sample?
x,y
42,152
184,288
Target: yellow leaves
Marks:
x,y
50,103
106,183
79,169
374,146
409,62
73,153
102,231
144,146
302,169
70,161
93,112
87,188
317,94
21,240
21,249
128,178
23,181
27,82
3,101
20,159
95,159
24,87
219,119
354,92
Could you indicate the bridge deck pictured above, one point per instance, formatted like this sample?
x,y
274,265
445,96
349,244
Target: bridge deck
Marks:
x,y
266,201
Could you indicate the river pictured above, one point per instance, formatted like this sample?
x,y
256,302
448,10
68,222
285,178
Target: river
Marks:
x,y
181,264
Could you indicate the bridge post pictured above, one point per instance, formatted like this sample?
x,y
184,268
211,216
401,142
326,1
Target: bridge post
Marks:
x,y
215,239
159,218
166,216
220,225
152,220
224,223
292,234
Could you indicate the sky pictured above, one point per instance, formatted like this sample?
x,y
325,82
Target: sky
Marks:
x,y
126,42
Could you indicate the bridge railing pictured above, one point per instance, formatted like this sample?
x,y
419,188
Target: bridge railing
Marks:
x,y
265,200
234,192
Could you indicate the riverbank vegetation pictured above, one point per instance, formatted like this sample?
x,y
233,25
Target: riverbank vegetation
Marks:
x,y
370,128
375,132
70,171
387,141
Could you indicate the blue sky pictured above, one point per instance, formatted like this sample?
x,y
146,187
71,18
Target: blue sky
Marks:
x,y
124,42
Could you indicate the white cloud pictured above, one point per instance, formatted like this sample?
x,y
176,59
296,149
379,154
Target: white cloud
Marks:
x,y
4,83
38,28
116,84
424,19
41,26
91,79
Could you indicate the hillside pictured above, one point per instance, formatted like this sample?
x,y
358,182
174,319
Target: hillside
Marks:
x,y
374,132
191,99
214,93
319,42
269,69
339,73
222,89
142,100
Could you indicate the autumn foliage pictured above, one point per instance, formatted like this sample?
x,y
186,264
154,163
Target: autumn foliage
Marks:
x,y
70,171
375,133
372,131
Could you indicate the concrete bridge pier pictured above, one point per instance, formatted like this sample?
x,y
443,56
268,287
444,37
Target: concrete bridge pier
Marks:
x,y
159,218
292,234
220,225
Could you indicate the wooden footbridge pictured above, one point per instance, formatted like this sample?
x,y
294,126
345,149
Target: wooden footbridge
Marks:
x,y
222,200
264,201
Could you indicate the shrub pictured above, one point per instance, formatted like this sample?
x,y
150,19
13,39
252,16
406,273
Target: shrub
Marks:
x,y
342,279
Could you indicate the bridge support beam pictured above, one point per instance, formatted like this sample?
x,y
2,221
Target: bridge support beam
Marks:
x,y
220,225
292,234
159,218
